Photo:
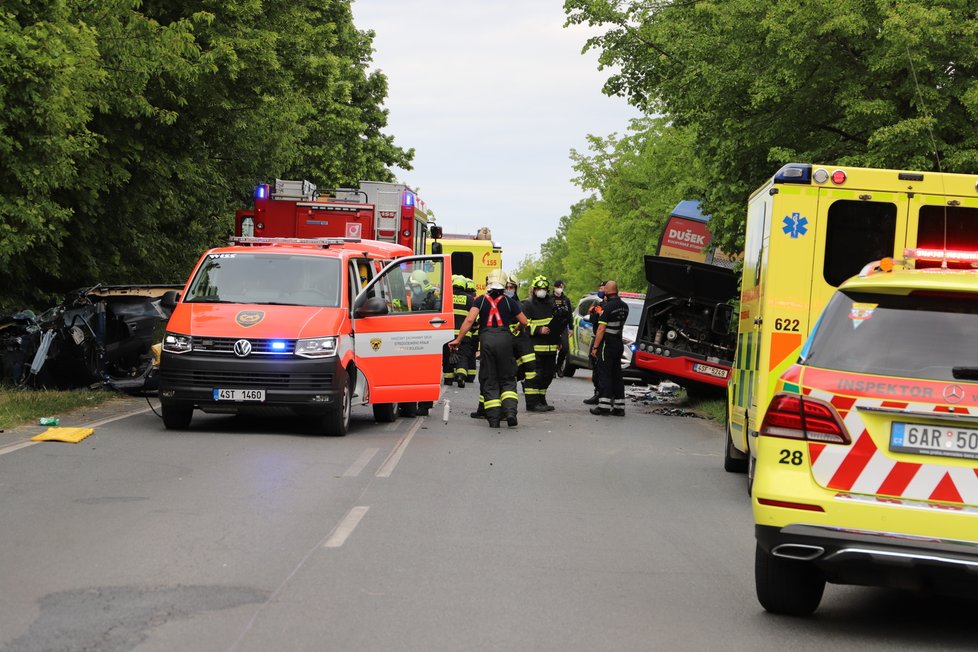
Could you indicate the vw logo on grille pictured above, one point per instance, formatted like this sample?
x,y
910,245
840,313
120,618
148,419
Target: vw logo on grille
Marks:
x,y
242,348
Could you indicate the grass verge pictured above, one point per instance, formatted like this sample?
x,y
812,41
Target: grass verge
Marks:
x,y
713,409
19,406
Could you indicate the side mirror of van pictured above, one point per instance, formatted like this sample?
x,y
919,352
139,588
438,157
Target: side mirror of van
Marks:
x,y
722,314
169,300
436,248
435,232
372,307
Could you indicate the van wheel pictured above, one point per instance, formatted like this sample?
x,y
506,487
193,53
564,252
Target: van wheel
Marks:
x,y
337,422
569,369
408,409
176,417
385,412
787,586
733,460
424,407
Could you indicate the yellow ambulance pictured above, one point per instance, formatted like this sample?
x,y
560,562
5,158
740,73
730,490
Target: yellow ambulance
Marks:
x,y
809,228
473,256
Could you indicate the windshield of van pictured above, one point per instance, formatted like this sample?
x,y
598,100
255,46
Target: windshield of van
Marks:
x,y
266,278
918,336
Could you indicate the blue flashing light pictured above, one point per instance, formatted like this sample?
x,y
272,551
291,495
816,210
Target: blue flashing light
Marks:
x,y
261,192
278,345
409,198
794,173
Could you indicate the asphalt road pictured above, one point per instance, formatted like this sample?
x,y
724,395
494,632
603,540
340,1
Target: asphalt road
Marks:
x,y
569,532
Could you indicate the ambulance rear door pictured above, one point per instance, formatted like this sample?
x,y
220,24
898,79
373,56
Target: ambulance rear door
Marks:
x,y
855,227
942,222
399,332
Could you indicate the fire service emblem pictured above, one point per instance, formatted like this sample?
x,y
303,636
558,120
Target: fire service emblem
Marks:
x,y
375,344
248,318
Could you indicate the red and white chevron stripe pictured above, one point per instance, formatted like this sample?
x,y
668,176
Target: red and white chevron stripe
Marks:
x,y
862,468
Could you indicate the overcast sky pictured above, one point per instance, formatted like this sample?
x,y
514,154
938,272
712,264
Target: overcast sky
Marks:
x,y
492,94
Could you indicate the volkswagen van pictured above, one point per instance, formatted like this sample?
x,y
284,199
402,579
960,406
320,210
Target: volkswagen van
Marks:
x,y
304,327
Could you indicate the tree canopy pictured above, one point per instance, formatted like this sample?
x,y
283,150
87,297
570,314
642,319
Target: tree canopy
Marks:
x,y
131,130
756,84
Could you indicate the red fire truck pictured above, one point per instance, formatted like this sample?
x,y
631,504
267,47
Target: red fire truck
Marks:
x,y
376,210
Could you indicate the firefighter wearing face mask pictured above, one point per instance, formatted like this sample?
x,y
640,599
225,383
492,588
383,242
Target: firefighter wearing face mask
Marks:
x,y
562,303
546,326
526,361
454,363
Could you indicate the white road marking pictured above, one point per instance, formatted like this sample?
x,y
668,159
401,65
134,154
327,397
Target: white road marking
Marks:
x,y
361,462
17,447
387,467
392,426
345,528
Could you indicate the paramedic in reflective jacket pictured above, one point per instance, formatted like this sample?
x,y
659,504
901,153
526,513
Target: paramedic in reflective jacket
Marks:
x,y
497,366
607,350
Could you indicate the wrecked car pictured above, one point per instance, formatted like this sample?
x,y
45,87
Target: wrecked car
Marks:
x,y
98,336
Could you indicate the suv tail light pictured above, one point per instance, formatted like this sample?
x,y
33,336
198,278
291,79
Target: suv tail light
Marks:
x,y
796,417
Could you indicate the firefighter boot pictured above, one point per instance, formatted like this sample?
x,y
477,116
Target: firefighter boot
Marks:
x,y
460,380
593,400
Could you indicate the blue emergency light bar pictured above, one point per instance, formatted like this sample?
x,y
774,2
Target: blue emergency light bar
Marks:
x,y
794,173
409,198
261,192
278,345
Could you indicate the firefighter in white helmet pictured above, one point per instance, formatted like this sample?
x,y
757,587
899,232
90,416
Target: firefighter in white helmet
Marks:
x,y
497,366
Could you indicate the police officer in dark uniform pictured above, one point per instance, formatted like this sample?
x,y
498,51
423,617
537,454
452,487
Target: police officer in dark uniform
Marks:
x,y
453,363
562,303
497,366
593,315
607,349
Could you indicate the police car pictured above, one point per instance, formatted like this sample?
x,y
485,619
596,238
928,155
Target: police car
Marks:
x,y
867,457
582,334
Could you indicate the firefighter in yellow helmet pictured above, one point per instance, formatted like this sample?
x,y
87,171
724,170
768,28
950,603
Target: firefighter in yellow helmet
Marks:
x,y
423,295
497,368
546,326
454,363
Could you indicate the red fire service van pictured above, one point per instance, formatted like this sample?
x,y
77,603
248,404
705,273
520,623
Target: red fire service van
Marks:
x,y
307,327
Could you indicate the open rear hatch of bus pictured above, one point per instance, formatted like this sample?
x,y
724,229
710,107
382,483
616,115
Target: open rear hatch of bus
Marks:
x,y
691,280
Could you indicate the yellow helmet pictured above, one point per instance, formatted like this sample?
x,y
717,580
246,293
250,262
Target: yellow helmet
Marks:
x,y
496,280
418,276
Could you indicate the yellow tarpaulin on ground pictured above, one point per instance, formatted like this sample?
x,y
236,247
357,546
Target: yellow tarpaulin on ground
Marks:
x,y
70,435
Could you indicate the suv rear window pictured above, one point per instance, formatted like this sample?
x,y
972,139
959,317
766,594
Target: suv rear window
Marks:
x,y
270,279
917,336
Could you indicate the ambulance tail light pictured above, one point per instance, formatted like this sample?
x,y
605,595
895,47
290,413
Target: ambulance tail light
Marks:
x,y
790,416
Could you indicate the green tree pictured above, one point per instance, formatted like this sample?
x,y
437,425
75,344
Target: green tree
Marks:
x,y
879,83
132,130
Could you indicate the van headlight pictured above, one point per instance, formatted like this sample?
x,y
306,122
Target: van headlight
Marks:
x,y
176,343
316,347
